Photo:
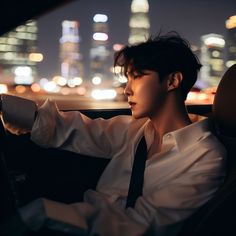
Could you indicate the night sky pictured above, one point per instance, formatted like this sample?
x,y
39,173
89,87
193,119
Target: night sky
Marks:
x,y
191,18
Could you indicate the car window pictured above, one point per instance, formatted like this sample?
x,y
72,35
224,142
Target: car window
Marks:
x,y
67,54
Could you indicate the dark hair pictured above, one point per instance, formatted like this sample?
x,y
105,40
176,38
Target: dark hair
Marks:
x,y
164,54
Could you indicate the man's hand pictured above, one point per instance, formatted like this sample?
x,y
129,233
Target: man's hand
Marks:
x,y
16,130
18,114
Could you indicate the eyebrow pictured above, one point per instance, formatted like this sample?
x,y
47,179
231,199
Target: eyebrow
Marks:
x,y
132,72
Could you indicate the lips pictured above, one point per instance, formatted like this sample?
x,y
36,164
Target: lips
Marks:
x,y
132,104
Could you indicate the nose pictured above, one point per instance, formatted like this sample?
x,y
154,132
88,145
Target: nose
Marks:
x,y
128,91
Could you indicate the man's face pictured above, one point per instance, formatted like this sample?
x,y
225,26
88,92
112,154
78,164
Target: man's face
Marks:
x,y
146,94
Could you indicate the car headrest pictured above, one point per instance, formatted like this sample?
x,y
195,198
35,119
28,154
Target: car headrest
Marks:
x,y
224,105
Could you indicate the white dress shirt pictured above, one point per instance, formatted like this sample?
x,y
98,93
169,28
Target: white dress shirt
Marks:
x,y
177,181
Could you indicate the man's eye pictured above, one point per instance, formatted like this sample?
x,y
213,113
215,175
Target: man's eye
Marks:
x,y
136,76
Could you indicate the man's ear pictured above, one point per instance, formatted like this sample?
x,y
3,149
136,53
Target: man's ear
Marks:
x,y
174,80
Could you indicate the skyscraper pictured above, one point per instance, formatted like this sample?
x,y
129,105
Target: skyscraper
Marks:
x,y
100,62
231,41
212,58
70,57
139,21
17,48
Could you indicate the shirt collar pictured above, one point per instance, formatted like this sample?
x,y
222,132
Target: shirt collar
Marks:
x,y
183,137
190,134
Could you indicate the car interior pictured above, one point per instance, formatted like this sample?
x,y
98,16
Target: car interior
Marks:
x,y
64,176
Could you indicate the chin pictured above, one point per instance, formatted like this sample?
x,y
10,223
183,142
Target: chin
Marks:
x,y
138,115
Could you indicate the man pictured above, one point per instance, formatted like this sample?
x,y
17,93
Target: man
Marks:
x,y
185,162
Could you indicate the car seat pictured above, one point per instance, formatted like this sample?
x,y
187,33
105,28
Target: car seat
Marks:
x,y
218,216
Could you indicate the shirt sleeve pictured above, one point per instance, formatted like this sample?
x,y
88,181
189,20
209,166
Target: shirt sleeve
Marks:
x,y
76,132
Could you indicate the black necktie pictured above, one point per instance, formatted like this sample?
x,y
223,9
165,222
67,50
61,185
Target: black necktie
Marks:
x,y
137,175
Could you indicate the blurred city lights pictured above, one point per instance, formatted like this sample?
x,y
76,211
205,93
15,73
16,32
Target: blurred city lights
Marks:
x,y
74,82
20,89
23,75
23,71
96,80
59,80
65,91
100,94
231,22
81,90
122,79
202,97
42,82
100,18
36,57
71,83
230,63
8,55
140,6
35,87
51,86
215,41
3,88
78,81
100,36
67,27
117,47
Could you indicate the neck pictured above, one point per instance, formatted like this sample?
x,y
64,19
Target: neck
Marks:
x,y
173,115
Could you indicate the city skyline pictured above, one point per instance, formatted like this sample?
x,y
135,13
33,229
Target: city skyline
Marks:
x,y
191,19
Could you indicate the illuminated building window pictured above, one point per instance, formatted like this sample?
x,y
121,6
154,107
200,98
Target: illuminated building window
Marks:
x,y
100,18
139,21
215,53
139,6
212,50
100,36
